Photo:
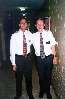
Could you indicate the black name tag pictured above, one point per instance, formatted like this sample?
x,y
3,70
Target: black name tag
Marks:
x,y
48,42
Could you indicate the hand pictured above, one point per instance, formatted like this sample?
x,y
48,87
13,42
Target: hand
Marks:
x,y
14,67
55,60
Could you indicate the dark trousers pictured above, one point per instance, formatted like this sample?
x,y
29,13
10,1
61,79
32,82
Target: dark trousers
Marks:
x,y
23,67
44,68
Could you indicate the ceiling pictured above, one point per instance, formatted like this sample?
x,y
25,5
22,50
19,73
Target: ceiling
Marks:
x,y
5,5
34,4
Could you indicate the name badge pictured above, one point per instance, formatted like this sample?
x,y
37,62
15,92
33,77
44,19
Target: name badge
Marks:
x,y
48,42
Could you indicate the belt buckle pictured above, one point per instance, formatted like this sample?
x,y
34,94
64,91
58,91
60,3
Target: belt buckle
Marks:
x,y
43,56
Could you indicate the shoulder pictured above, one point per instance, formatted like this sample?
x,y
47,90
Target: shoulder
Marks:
x,y
49,31
35,33
28,32
14,35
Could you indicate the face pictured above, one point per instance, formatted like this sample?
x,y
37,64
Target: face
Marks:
x,y
23,24
39,25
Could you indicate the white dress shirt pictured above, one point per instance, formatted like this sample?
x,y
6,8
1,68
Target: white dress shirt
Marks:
x,y
48,41
16,44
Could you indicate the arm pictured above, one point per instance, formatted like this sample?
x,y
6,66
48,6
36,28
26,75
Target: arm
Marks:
x,y
55,53
12,52
54,48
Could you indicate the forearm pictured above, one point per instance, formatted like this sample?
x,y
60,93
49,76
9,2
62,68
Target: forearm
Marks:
x,y
54,51
12,59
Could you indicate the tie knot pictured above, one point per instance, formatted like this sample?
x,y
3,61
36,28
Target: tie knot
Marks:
x,y
23,34
41,33
41,36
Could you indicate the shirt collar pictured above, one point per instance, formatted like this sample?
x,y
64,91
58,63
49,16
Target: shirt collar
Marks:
x,y
43,31
22,31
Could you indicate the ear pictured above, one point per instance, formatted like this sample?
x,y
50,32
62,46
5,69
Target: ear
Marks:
x,y
44,24
19,25
35,25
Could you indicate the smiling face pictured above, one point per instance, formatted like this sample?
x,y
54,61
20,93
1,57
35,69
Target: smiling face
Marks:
x,y
39,25
23,24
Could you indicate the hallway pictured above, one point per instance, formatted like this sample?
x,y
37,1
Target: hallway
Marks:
x,y
54,11
7,85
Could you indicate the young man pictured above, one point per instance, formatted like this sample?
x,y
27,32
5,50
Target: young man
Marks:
x,y
19,55
44,44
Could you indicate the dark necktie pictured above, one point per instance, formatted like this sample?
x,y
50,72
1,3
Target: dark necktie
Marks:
x,y
42,54
24,46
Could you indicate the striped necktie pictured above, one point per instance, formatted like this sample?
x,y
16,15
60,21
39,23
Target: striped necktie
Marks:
x,y
42,54
24,46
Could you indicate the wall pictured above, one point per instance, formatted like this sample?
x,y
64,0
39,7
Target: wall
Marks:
x,y
57,13
2,39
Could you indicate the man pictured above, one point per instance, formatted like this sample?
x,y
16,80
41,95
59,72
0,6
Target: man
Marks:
x,y
43,40
19,55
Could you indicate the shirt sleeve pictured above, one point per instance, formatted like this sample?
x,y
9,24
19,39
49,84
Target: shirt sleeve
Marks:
x,y
52,39
12,49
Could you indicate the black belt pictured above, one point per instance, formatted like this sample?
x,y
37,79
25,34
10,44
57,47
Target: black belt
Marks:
x,y
51,55
28,56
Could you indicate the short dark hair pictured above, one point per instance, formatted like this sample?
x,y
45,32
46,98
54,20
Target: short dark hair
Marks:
x,y
39,19
20,18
